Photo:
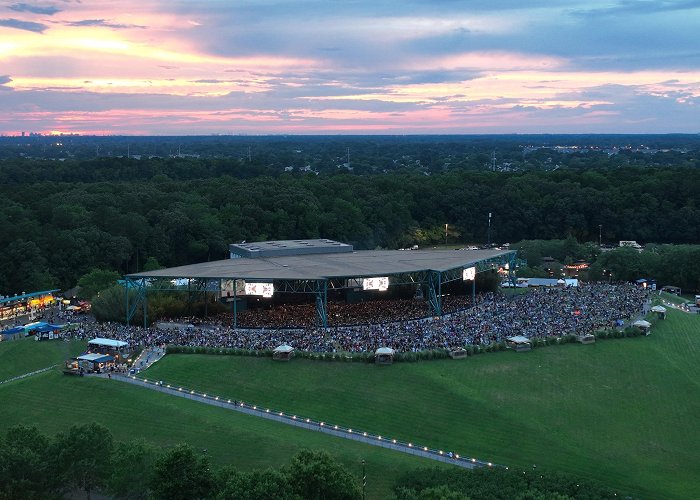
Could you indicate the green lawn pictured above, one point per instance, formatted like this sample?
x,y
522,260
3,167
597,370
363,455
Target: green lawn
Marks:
x,y
53,402
622,411
25,355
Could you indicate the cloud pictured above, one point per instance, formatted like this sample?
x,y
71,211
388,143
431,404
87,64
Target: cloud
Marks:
x,y
3,80
640,7
103,23
23,25
35,9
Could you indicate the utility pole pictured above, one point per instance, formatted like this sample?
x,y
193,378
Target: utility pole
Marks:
x,y
488,234
364,479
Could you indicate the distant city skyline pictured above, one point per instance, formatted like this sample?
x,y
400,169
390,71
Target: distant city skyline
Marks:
x,y
188,67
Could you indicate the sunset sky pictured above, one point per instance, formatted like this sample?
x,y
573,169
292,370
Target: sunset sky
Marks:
x,y
176,67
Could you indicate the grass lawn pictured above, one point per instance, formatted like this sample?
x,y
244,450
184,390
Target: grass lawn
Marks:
x,y
621,411
26,355
53,402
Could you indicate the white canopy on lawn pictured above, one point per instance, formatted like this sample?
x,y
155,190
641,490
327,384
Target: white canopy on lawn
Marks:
x,y
658,309
641,323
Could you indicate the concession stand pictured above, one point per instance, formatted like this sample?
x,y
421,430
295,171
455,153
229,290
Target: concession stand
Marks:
x,y
283,352
384,356
518,343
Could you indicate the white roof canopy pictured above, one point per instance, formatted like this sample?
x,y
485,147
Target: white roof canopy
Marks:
x,y
284,348
108,342
658,309
384,351
641,323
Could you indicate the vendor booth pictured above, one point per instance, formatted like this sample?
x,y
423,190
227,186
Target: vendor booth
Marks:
x,y
48,332
518,343
384,356
12,333
283,353
643,325
660,310
458,353
116,348
586,338
95,362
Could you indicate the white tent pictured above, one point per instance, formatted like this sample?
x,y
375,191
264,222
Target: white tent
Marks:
x,y
283,352
658,309
640,323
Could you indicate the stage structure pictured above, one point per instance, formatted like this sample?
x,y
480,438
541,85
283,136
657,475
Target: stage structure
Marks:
x,y
262,269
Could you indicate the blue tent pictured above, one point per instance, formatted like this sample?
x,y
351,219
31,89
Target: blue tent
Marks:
x,y
13,331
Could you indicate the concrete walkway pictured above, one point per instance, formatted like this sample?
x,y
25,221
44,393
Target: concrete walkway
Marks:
x,y
306,423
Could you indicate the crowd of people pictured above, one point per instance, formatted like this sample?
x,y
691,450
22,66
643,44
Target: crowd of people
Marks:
x,y
540,313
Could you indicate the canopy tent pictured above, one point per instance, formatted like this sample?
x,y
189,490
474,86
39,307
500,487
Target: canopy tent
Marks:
x,y
116,344
658,309
384,356
13,330
283,352
643,325
95,357
518,343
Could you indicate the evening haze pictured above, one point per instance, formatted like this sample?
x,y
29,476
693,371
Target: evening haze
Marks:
x,y
157,67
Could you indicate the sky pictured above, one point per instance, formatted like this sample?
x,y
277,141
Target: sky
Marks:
x,y
194,67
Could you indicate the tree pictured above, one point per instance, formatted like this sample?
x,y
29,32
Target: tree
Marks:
x,y
132,466
316,475
181,474
256,485
25,468
83,456
97,280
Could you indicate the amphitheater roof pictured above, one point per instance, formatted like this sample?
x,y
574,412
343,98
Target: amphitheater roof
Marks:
x,y
326,266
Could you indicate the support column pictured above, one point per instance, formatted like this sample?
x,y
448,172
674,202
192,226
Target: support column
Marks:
x,y
322,303
435,292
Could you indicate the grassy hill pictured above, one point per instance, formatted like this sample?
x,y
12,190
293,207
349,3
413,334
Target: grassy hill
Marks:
x,y
622,411
53,402
25,355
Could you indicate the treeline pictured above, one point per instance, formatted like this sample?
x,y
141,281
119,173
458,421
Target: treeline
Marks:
x,y
87,459
674,265
51,232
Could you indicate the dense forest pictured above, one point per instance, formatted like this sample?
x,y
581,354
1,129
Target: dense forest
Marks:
x,y
62,219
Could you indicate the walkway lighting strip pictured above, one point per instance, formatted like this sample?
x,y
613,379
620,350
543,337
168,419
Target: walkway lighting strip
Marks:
x,y
320,424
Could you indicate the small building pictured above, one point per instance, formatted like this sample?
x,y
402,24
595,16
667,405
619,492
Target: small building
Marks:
x,y
518,343
586,338
643,325
384,356
671,289
95,362
116,348
458,353
660,310
283,352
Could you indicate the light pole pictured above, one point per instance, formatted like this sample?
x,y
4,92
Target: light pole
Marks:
x,y
600,235
364,479
488,233
445,233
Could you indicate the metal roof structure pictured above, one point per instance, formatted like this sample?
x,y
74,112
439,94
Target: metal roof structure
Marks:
x,y
282,248
322,266
25,296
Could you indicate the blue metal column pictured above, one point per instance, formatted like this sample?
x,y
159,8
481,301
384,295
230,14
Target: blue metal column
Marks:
x,y
322,303
474,291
